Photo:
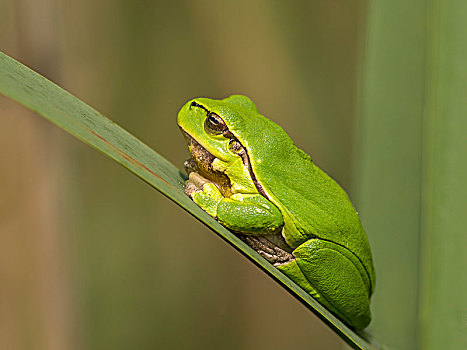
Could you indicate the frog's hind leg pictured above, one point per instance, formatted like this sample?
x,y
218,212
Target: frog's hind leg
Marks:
x,y
291,270
333,276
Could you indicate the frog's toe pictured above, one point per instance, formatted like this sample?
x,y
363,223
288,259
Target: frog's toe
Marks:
x,y
191,189
198,180
195,183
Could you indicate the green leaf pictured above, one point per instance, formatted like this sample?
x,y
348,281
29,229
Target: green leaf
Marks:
x,y
69,113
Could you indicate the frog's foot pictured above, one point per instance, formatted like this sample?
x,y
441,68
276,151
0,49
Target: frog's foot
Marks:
x,y
204,193
268,250
207,174
195,183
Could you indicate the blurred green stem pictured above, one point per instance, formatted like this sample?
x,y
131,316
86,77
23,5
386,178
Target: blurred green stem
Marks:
x,y
411,162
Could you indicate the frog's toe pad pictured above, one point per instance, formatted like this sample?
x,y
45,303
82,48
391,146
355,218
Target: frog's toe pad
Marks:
x,y
195,183
190,189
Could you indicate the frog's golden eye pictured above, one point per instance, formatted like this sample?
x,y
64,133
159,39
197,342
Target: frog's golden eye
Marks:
x,y
235,146
214,124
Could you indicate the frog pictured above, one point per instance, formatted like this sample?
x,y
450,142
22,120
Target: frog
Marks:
x,y
247,173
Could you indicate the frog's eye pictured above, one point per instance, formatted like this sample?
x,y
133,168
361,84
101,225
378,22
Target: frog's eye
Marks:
x,y
214,124
235,146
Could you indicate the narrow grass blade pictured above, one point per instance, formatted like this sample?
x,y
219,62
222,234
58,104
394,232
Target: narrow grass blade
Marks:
x,y
69,113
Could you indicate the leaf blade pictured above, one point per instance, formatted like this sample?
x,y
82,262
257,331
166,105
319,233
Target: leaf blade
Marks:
x,y
79,119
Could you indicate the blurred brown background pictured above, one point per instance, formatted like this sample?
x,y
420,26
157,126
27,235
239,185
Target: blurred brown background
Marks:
x,y
93,258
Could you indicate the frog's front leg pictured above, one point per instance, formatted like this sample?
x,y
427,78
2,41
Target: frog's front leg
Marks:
x,y
335,277
243,213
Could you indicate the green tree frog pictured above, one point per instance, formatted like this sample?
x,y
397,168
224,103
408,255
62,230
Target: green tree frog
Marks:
x,y
246,172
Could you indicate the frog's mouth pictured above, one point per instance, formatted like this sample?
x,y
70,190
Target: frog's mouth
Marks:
x,y
201,162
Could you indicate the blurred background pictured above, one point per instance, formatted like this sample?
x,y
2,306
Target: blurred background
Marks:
x,y
93,258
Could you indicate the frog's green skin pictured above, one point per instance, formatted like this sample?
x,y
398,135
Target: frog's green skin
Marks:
x,y
250,176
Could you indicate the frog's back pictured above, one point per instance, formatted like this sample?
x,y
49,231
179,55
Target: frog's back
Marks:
x,y
314,203
317,207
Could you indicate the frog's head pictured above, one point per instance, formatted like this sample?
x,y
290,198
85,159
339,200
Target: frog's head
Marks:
x,y
216,151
